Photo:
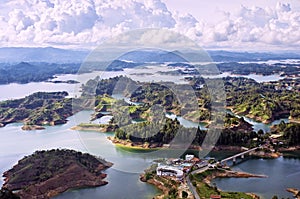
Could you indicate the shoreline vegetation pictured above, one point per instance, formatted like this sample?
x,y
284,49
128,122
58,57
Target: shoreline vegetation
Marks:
x,y
128,145
45,174
207,178
149,94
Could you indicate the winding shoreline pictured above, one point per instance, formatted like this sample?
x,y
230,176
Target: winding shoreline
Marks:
x,y
234,174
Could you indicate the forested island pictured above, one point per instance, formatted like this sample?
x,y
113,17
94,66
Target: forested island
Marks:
x,y
265,102
45,174
25,72
38,109
285,70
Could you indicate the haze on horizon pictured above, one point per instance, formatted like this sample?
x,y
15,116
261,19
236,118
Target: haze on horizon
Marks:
x,y
238,25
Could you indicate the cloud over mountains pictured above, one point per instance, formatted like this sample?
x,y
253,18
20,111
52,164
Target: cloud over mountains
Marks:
x,y
86,23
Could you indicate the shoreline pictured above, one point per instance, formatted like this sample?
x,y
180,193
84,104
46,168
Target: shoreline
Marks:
x,y
103,128
156,146
233,174
145,146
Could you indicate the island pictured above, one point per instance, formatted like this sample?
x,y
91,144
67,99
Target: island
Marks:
x,y
25,72
245,97
37,109
45,174
137,123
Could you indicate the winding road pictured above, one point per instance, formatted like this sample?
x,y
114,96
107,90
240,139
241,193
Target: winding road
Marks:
x,y
190,185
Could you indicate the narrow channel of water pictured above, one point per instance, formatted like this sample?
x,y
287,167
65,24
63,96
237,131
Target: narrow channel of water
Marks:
x,y
259,125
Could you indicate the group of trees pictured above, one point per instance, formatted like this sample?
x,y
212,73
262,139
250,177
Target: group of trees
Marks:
x,y
261,100
246,96
290,131
153,133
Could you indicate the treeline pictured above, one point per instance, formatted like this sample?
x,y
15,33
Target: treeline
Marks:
x,y
115,85
165,133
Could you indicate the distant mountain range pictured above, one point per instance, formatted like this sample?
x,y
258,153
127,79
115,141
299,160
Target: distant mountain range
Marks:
x,y
148,55
227,56
49,55
56,55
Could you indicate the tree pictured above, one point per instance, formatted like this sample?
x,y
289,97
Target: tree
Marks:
x,y
184,194
260,132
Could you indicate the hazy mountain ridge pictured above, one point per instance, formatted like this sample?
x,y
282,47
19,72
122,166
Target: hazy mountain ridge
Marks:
x,y
48,54
57,55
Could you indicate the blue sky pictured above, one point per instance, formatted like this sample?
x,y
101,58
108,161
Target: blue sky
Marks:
x,y
257,25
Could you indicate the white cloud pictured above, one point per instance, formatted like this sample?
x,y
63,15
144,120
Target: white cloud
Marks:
x,y
86,23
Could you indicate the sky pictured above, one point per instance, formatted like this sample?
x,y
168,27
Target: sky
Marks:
x,y
256,25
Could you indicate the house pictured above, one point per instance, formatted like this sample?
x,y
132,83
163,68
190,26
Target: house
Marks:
x,y
163,170
215,196
189,157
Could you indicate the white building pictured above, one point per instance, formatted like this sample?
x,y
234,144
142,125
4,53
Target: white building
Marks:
x,y
189,157
169,171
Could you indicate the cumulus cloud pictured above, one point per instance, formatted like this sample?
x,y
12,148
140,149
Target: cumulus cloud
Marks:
x,y
87,23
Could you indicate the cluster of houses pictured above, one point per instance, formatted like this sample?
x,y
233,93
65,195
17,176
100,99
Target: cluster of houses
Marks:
x,y
177,168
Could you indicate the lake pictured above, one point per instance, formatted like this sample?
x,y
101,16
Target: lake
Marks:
x,y
282,173
128,164
142,74
123,177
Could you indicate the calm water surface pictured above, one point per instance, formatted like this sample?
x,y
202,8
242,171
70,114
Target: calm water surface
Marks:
x,y
144,74
123,177
282,173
